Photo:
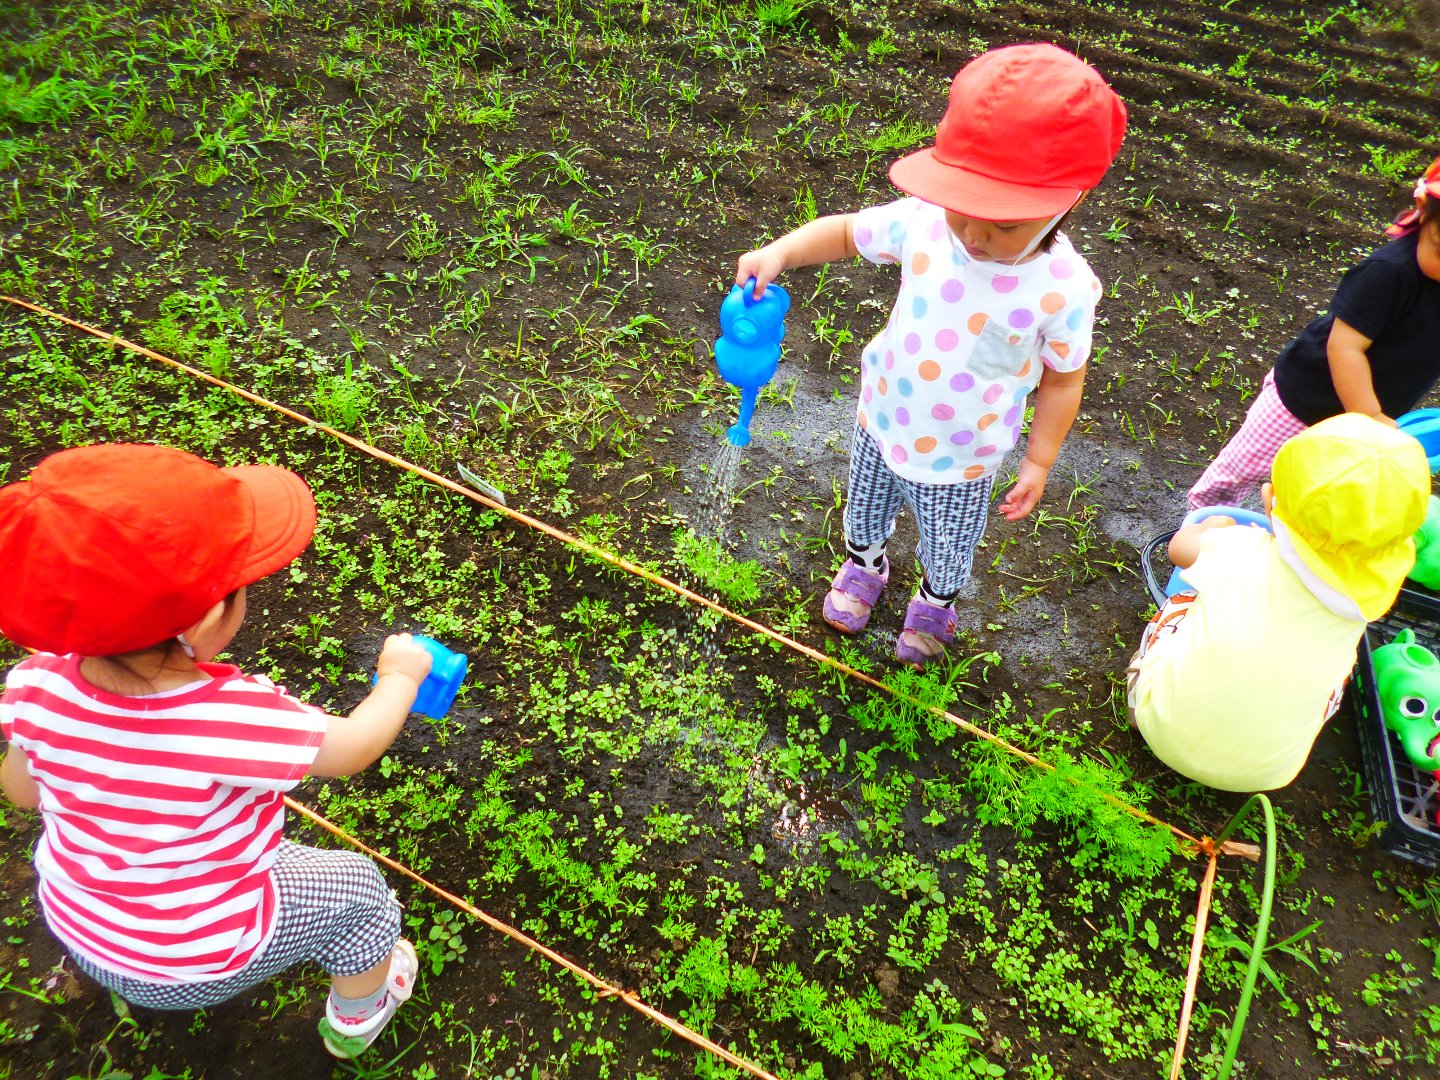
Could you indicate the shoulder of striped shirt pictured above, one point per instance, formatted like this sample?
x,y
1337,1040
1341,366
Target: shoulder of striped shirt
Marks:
x,y
46,670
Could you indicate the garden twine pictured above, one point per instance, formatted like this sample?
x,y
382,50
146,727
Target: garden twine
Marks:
x,y
1189,844
606,989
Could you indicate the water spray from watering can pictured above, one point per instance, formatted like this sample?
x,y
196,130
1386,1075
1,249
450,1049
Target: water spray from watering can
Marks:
x,y
748,349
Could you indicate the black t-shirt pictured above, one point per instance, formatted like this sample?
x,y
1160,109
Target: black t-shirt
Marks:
x,y
1387,299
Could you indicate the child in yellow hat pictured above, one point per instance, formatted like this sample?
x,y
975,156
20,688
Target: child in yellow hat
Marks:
x,y
1234,680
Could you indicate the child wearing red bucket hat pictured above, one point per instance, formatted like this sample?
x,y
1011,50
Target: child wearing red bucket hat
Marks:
x,y
994,303
159,774
1375,351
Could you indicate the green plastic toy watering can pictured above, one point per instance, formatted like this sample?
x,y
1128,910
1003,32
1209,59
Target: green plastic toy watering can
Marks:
x,y
1407,678
1427,548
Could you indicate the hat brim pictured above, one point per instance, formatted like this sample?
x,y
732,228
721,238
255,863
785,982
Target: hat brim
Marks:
x,y
955,188
283,522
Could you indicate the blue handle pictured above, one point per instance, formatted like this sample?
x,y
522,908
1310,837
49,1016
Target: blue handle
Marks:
x,y
1239,513
751,330
447,672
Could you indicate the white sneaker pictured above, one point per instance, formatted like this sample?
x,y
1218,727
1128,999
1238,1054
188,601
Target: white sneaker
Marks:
x,y
351,1040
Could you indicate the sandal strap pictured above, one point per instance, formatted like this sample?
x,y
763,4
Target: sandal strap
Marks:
x,y
861,584
924,617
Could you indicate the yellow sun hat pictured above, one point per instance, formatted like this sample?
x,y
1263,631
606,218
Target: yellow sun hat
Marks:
x,y
1350,492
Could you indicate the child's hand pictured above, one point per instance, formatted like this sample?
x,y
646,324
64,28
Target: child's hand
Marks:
x,y
1029,486
763,264
401,656
1215,521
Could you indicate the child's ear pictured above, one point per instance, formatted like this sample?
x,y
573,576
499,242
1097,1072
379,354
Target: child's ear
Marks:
x,y
208,623
1267,497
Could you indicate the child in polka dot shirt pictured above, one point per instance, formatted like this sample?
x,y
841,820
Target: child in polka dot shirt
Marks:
x,y
994,303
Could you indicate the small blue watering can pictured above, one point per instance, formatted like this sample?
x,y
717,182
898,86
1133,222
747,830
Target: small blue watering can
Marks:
x,y
748,349
447,672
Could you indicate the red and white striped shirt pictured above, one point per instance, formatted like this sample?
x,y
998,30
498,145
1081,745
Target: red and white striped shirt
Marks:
x,y
162,814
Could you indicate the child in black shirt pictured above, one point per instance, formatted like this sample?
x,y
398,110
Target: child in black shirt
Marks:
x,y
1376,351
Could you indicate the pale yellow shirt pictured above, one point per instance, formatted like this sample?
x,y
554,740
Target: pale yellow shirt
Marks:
x,y
1236,696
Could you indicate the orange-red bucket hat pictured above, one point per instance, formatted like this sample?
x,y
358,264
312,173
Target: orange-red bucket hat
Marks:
x,y
1029,128
115,547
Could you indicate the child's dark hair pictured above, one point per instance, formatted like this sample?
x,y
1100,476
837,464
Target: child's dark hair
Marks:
x,y
1429,213
162,650
1049,241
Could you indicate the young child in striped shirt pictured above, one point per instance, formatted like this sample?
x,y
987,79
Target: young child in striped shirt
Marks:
x,y
159,774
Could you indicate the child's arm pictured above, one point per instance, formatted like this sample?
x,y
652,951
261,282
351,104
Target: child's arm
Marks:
x,y
15,779
1185,544
1057,402
352,743
822,240
1350,371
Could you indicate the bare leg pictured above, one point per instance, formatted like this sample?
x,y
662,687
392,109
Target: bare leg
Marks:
x,y
362,984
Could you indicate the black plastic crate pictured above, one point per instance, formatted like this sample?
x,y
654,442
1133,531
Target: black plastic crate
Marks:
x,y
1403,797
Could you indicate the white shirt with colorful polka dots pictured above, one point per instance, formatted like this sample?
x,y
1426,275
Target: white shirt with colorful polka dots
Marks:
x,y
943,385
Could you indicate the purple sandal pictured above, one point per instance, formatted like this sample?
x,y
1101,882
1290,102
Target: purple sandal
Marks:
x,y
923,617
863,585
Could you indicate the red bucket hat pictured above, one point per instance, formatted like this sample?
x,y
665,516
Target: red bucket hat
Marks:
x,y
1427,187
110,548
1028,129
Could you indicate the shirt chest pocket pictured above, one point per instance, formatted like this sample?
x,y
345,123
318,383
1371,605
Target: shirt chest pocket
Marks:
x,y
1001,352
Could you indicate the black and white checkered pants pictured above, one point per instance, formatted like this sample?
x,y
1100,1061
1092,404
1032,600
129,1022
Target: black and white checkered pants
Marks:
x,y
334,909
950,517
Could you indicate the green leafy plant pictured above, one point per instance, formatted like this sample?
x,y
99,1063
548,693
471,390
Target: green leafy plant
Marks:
x,y
445,940
736,582
342,400
781,14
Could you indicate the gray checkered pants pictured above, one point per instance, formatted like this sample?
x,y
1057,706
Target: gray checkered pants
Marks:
x,y
334,908
950,517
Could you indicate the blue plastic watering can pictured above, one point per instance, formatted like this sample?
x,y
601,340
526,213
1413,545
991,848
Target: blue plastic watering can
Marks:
x,y
447,672
1424,425
748,349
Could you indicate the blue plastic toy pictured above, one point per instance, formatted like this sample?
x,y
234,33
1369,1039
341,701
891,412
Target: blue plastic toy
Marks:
x,y
748,349
1424,424
447,672
1177,582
